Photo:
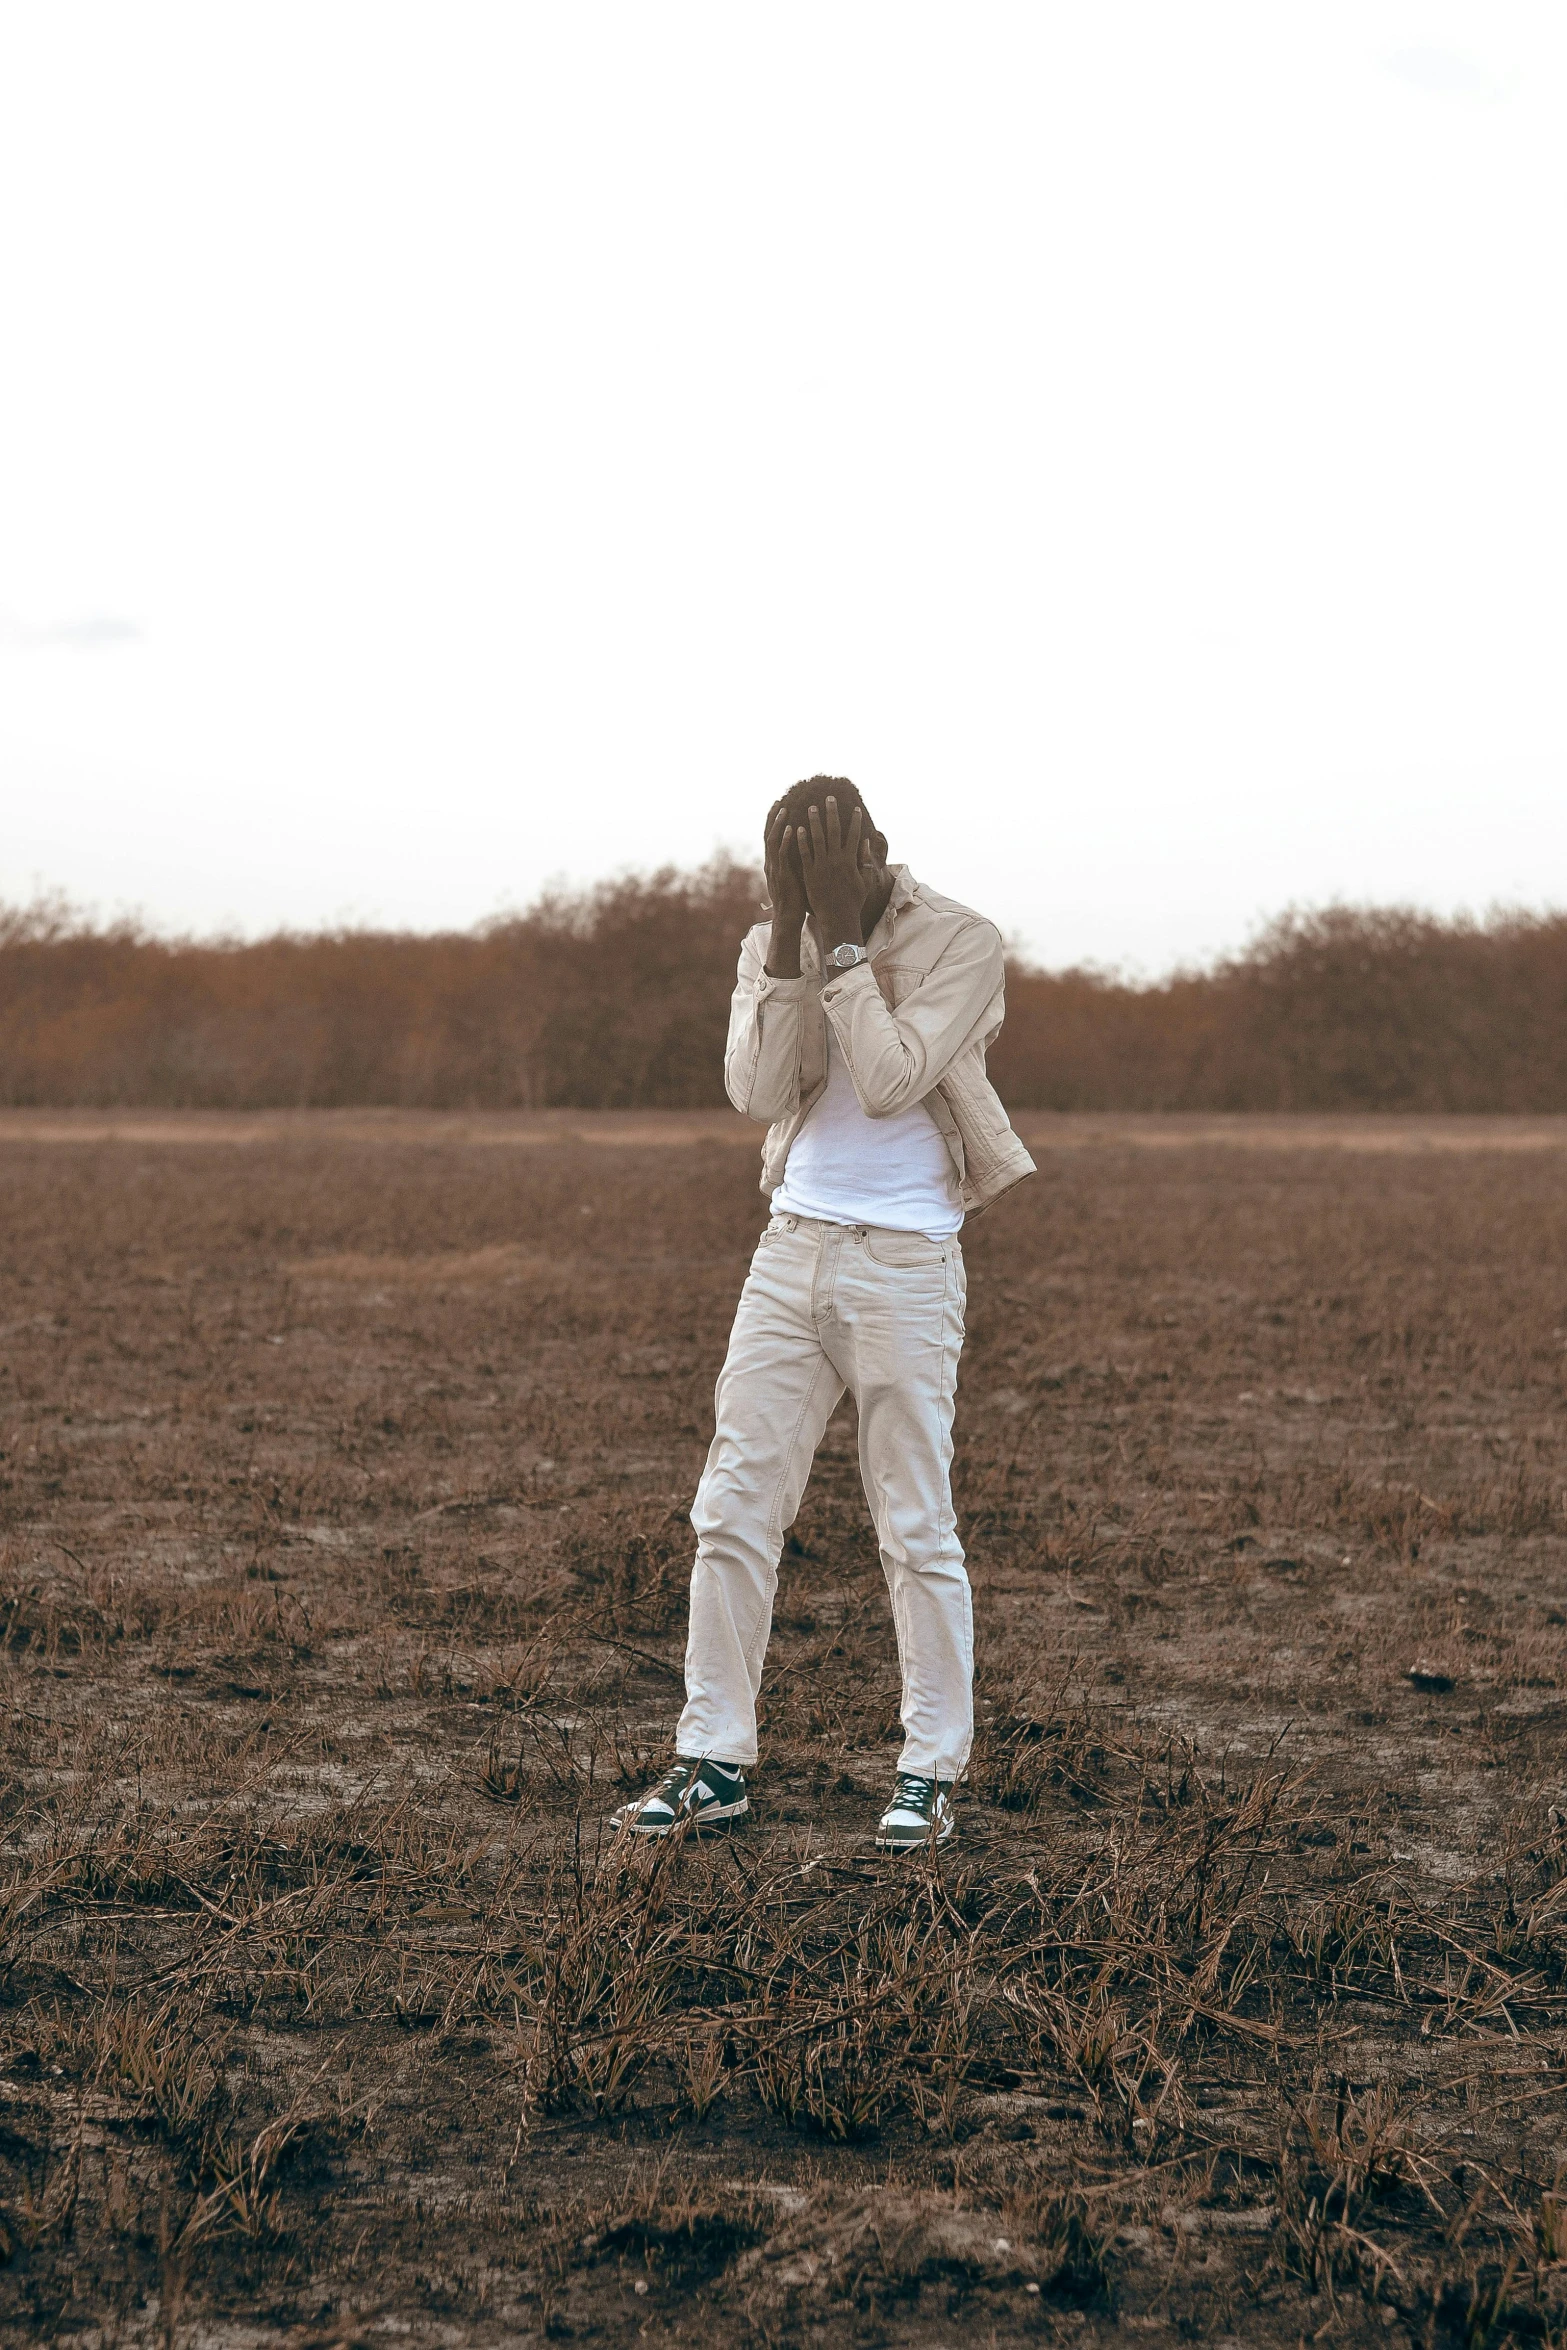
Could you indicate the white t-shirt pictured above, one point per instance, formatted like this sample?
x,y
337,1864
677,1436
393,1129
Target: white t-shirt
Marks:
x,y
846,1168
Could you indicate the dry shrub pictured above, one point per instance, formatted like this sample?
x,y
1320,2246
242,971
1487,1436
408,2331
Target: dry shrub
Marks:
x,y
617,998
1344,1008
609,999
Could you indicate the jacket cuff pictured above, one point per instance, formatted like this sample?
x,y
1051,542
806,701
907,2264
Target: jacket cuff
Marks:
x,y
791,990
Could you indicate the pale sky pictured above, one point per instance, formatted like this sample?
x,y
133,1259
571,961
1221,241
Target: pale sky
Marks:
x,y
445,447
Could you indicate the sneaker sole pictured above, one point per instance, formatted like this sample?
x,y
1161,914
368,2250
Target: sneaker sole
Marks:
x,y
914,1843
712,1816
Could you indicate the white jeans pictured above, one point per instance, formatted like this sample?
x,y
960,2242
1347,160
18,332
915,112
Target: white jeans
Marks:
x,y
825,1307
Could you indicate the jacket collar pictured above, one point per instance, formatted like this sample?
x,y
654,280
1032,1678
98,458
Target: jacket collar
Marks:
x,y
903,887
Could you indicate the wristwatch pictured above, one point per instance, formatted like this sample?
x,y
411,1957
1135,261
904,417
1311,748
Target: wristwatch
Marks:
x,y
844,958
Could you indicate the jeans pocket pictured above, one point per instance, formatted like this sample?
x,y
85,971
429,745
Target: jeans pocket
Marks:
x,y
908,1252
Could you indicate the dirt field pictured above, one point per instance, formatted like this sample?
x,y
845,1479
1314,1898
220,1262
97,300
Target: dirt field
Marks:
x,y
342,1565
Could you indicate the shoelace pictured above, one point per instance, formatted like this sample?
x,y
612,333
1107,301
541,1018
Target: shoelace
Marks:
x,y
913,1790
676,1782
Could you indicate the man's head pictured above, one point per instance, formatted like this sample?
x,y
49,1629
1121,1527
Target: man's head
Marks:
x,y
823,855
800,798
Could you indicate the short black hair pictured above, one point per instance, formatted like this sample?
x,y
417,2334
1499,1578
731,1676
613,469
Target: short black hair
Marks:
x,y
812,793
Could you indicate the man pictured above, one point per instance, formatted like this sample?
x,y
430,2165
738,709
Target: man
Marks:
x,y
858,1028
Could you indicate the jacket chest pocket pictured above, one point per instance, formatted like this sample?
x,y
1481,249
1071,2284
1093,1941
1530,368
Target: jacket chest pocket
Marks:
x,y
897,982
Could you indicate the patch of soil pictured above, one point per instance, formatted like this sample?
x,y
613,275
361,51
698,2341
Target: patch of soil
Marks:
x,y
343,1551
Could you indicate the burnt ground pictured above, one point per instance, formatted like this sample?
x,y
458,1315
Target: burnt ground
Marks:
x,y
342,1565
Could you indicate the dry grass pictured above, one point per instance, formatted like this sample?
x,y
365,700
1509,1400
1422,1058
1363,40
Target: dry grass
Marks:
x,y
342,1569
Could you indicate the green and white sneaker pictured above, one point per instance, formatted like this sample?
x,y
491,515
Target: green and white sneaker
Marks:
x,y
694,1794
920,1813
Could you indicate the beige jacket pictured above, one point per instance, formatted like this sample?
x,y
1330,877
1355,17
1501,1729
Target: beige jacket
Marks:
x,y
913,1024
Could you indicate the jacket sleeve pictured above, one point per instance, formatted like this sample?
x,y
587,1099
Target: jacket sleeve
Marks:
x,y
762,1057
897,1056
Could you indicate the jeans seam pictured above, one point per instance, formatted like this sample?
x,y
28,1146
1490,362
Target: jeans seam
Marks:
x,y
774,1511
948,1394
947,1529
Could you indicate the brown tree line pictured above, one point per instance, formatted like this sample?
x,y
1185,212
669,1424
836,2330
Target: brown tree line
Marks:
x,y
617,997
